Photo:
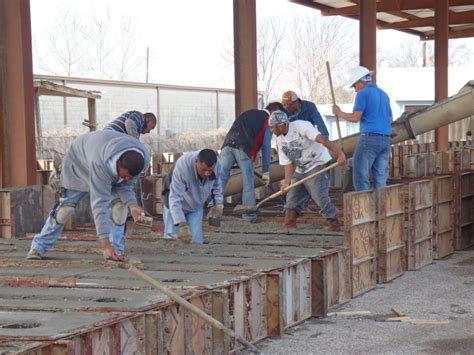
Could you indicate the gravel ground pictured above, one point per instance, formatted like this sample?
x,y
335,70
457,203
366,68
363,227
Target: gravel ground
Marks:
x,y
442,291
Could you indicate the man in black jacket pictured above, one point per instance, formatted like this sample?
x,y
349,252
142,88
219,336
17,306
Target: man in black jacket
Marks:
x,y
249,133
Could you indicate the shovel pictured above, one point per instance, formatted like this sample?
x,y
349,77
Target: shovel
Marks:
x,y
241,209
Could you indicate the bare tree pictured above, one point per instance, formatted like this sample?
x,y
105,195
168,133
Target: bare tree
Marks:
x,y
66,47
102,46
128,59
415,53
91,47
270,36
314,41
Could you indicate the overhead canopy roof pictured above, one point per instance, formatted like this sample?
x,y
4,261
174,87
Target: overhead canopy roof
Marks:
x,y
411,16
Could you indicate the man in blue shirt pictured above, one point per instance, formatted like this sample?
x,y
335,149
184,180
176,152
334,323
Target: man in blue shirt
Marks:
x,y
133,123
372,110
303,110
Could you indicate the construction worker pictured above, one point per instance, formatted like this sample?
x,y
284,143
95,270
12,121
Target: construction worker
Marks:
x,y
298,109
304,151
106,165
372,109
133,123
186,188
248,134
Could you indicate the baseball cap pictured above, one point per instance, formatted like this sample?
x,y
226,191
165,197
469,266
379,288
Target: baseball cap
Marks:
x,y
288,97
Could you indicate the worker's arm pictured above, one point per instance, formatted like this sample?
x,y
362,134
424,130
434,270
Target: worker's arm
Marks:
x,y
341,157
100,192
266,150
289,171
176,197
217,190
351,117
134,124
131,128
318,120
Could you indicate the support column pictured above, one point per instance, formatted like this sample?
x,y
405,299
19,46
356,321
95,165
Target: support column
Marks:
x,y
18,155
91,109
245,55
441,65
368,35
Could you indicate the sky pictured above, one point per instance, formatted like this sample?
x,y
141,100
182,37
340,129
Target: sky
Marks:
x,y
188,39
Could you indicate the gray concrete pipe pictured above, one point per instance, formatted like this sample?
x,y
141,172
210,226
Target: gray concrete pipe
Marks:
x,y
442,113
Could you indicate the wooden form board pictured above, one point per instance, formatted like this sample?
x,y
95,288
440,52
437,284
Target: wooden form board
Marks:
x,y
360,236
296,293
331,282
6,228
420,223
443,216
152,186
464,208
392,233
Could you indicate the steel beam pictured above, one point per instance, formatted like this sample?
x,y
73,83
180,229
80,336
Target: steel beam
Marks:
x,y
245,54
441,66
17,116
368,37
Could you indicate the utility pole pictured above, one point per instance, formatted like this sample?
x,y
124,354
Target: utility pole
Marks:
x,y
147,63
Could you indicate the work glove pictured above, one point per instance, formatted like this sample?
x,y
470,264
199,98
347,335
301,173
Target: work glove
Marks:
x,y
184,235
55,181
216,211
266,178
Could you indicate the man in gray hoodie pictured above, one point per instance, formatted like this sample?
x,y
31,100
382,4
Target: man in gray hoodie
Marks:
x,y
105,164
192,179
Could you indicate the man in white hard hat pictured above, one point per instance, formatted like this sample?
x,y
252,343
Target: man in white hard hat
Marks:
x,y
372,110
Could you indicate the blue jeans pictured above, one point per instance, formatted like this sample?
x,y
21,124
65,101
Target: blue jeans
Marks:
x,y
371,154
193,219
228,157
51,230
317,188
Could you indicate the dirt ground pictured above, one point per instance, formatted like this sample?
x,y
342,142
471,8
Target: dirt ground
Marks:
x,y
441,292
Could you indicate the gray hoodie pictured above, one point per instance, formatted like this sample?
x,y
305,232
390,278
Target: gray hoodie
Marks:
x,y
85,168
188,192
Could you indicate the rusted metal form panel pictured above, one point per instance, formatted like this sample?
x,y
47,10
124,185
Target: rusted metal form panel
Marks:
x,y
331,282
464,207
443,216
392,233
360,236
420,224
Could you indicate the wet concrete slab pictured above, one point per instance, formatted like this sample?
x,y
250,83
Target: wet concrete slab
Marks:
x,y
61,299
48,325
87,285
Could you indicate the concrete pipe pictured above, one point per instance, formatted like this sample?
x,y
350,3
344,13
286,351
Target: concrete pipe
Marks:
x,y
442,113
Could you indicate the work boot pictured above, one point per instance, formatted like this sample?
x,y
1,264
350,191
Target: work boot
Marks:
x,y
34,254
290,220
332,225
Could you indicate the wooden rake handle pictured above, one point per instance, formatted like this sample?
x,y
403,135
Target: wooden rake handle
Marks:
x,y
298,183
192,308
328,67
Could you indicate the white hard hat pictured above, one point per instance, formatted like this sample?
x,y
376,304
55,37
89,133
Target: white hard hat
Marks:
x,y
357,74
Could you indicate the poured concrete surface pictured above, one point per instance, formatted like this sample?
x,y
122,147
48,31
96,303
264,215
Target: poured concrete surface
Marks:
x,y
48,325
86,284
441,291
